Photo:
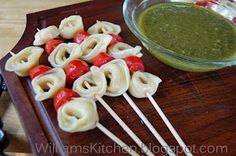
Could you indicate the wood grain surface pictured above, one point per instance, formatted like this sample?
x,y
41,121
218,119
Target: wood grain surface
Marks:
x,y
201,106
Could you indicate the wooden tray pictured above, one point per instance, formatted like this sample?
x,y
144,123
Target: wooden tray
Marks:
x,y
202,107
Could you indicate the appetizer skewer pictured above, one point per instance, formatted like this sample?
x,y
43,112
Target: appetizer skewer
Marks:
x,y
118,74
76,114
149,84
143,147
93,85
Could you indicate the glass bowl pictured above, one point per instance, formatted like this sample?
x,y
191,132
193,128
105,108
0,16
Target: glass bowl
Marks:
x,y
131,11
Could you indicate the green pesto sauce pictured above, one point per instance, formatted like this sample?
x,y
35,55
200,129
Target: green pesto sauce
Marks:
x,y
189,30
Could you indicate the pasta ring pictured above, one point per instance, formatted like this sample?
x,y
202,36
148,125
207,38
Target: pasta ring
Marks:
x,y
118,74
46,34
103,27
47,84
78,115
23,61
97,81
63,54
142,83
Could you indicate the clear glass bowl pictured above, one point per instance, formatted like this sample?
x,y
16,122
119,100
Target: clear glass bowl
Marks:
x,y
131,11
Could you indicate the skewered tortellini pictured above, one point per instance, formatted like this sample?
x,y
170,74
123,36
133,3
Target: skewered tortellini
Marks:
x,y
97,81
78,115
70,25
47,84
94,45
142,83
103,27
23,61
46,34
64,53
118,77
123,50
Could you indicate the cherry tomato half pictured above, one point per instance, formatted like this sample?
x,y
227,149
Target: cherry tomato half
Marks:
x,y
51,45
81,36
102,59
134,63
115,39
75,69
38,70
62,96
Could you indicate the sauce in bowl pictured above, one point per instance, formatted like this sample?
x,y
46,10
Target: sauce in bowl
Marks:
x,y
189,30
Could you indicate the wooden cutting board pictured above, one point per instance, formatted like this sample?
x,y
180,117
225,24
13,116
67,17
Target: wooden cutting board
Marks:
x,y
201,106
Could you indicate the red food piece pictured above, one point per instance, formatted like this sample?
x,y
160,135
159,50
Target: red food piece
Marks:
x,y
51,45
102,59
38,70
134,63
63,96
81,36
115,39
201,3
75,69
234,20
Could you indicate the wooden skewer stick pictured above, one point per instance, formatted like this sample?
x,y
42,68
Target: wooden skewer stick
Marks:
x,y
149,125
50,85
170,127
70,24
103,30
116,140
143,147
12,54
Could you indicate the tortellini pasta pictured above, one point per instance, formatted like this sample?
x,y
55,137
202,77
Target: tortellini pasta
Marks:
x,y
123,50
118,77
94,45
97,84
78,115
47,84
70,25
103,27
64,53
142,83
46,34
23,61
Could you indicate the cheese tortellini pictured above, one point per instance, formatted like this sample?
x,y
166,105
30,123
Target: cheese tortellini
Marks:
x,y
118,77
70,25
103,27
78,115
97,84
47,84
64,53
123,50
23,61
46,34
94,45
142,83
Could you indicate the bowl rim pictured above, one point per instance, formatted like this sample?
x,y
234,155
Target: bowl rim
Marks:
x,y
135,30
